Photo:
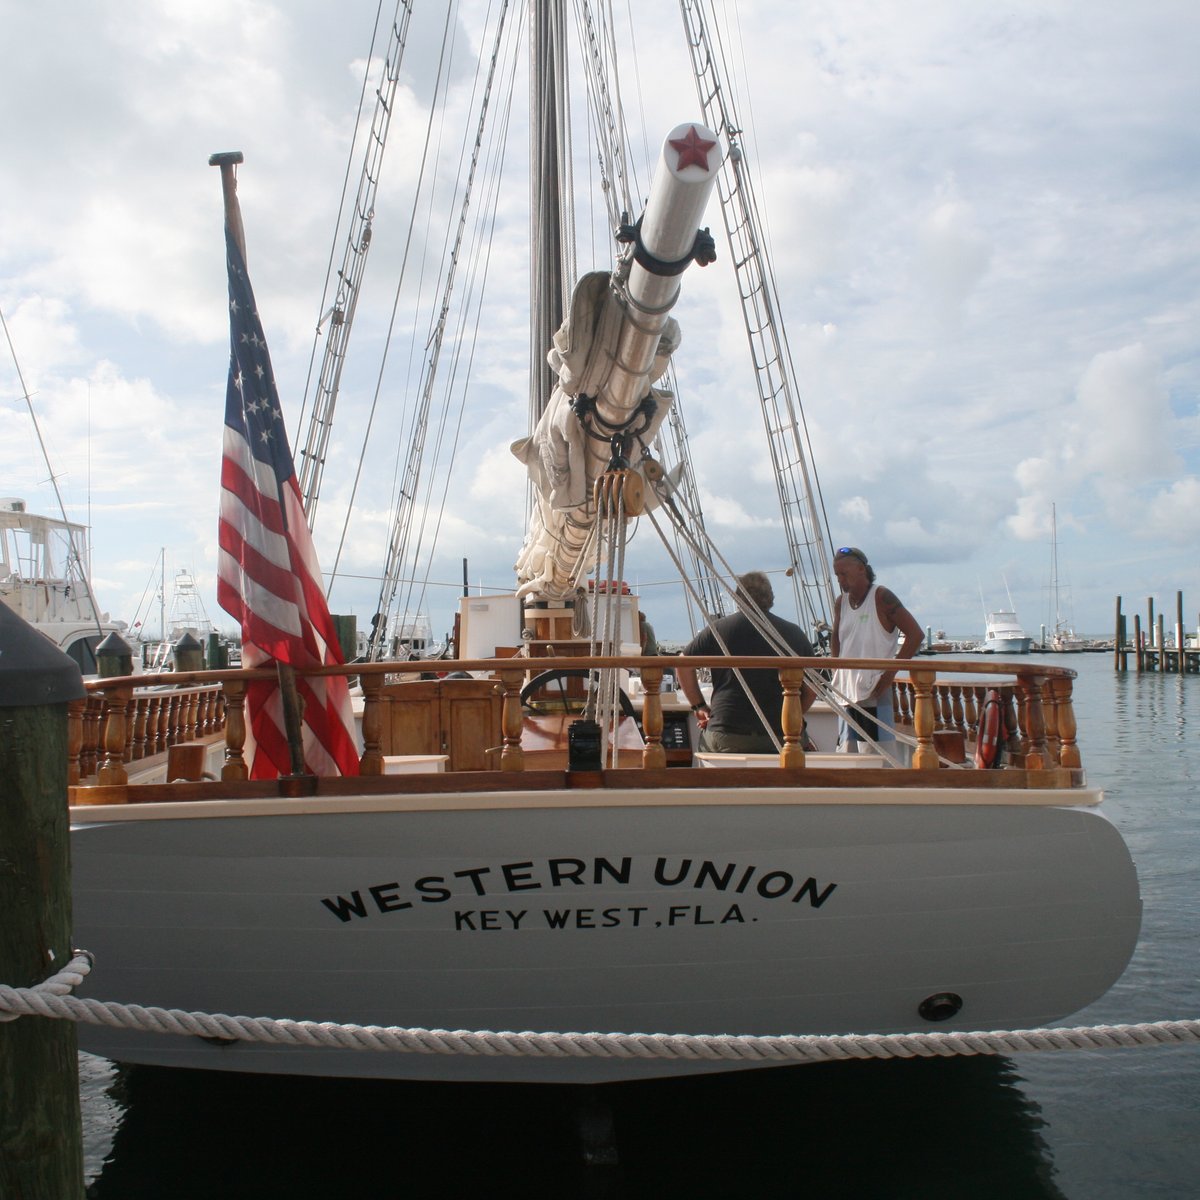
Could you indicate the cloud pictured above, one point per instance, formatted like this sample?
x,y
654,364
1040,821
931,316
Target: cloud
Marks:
x,y
1174,513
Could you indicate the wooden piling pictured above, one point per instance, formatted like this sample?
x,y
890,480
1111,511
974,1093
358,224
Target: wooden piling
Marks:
x,y
1179,639
40,1128
1119,660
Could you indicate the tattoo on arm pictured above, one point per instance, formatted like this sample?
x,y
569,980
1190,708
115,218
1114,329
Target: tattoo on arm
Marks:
x,y
890,604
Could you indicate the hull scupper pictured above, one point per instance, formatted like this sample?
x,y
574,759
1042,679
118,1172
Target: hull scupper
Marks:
x,y
639,910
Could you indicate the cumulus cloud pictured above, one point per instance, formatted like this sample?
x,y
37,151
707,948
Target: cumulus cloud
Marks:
x,y
1115,439
855,508
1174,513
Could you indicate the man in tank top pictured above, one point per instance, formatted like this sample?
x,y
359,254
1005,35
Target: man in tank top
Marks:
x,y
868,620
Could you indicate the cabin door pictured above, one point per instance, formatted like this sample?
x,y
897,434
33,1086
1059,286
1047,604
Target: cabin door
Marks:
x,y
458,717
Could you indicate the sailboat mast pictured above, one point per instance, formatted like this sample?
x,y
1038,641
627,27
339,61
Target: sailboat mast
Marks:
x,y
549,174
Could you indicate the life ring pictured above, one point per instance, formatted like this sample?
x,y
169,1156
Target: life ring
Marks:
x,y
987,741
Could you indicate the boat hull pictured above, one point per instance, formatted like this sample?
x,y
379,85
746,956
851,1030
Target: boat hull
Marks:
x,y
652,912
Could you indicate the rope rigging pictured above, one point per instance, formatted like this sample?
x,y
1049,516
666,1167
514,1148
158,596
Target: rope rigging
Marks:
x,y
340,315
800,500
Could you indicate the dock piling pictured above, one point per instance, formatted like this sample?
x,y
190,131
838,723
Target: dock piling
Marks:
x,y
40,1128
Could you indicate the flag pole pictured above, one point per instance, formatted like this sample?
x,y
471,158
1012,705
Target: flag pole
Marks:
x,y
292,706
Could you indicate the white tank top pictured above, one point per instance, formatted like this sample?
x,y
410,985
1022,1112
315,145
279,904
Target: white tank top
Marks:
x,y
860,635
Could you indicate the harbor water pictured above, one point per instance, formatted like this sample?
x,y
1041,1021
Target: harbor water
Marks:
x,y
1086,1125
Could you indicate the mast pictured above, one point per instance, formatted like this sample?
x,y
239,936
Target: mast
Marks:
x,y
549,183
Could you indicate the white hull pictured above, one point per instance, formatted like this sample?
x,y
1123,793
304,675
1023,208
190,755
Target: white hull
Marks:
x,y
1004,635
1006,645
839,911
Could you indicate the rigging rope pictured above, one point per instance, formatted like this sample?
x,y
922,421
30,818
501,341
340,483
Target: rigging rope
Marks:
x,y
52,999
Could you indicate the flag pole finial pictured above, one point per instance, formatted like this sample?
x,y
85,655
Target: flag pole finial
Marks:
x,y
227,160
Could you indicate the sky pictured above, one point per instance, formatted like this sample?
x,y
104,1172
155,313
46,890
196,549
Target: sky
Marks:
x,y
982,222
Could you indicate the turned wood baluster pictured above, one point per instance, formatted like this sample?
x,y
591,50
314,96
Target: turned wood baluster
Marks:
x,y
904,710
130,710
652,718
234,767
924,756
1016,722
190,716
156,727
972,696
792,720
1050,712
1038,756
957,719
1069,752
116,703
512,757
140,714
93,718
371,762
75,710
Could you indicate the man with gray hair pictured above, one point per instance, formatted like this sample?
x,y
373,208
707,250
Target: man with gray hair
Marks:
x,y
868,622
729,722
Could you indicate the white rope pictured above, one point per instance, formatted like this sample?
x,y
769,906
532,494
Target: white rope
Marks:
x,y
48,1000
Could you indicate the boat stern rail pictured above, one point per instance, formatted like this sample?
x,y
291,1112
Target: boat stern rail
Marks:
x,y
127,720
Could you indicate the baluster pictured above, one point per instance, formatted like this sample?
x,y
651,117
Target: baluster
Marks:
x,y
1069,753
957,720
235,730
93,716
371,762
127,749
792,720
156,729
972,697
1050,712
75,709
188,705
512,757
1038,756
652,718
172,707
924,756
116,702
140,714
1016,722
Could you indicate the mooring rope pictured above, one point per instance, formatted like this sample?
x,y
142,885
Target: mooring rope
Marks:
x,y
50,999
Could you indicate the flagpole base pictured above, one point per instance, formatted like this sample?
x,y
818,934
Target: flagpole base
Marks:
x,y
297,785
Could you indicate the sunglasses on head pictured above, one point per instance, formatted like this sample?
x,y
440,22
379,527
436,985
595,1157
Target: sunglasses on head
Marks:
x,y
851,552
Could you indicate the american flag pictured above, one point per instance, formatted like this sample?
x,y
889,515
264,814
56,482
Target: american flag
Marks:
x,y
268,576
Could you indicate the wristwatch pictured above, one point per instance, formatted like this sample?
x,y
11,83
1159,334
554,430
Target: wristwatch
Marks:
x,y
698,707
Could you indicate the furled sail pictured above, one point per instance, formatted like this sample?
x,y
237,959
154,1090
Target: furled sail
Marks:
x,y
613,345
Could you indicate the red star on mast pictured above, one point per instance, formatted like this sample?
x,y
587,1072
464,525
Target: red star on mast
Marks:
x,y
692,150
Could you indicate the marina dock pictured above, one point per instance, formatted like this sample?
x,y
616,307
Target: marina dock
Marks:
x,y
1150,650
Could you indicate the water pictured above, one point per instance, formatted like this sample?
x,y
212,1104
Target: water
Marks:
x,y
1091,1125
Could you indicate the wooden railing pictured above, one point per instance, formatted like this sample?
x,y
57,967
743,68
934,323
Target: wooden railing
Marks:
x,y
119,723
127,719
